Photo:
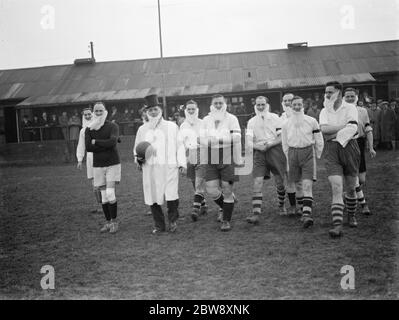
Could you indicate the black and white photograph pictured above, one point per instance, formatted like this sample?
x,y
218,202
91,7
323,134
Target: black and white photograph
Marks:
x,y
199,155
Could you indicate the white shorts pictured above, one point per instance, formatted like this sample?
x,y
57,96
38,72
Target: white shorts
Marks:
x,y
102,175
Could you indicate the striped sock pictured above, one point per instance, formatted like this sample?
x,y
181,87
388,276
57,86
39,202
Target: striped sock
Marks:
x,y
219,200
351,205
292,199
299,202
281,196
198,198
337,212
257,203
307,206
360,196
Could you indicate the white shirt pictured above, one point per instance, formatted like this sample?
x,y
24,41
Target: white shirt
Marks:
x,y
264,130
346,115
223,130
189,133
302,134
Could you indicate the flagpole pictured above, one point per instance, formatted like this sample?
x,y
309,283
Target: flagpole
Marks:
x,y
162,63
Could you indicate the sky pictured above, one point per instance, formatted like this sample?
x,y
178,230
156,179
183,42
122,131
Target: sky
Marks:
x,y
53,32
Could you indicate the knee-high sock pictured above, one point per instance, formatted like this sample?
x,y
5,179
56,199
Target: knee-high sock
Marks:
x,y
337,212
198,201
257,202
350,205
228,211
307,206
113,210
292,199
219,200
360,195
173,212
105,205
299,201
281,195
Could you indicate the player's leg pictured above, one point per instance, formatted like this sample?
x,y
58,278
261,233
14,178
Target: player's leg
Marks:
x,y
291,193
159,219
299,198
307,218
200,189
100,183
214,191
351,199
228,204
113,176
361,199
256,200
279,182
337,206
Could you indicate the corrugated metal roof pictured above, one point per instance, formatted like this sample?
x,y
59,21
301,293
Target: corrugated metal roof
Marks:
x,y
196,75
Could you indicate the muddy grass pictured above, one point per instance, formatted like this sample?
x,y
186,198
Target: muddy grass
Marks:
x,y
46,219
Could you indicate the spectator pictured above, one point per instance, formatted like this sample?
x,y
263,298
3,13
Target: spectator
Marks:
x,y
27,132
375,118
36,132
388,119
318,100
314,111
366,98
178,118
125,119
55,131
45,122
63,121
74,125
114,116
395,106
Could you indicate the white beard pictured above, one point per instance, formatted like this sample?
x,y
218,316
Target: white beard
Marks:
x,y
97,122
287,110
218,115
297,117
191,118
153,121
263,113
329,103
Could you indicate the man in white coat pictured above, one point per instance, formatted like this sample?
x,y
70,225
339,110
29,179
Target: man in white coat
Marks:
x,y
81,151
165,159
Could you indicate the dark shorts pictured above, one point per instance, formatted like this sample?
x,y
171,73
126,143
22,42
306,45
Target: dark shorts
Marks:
x,y
272,160
362,146
301,163
342,161
224,172
196,170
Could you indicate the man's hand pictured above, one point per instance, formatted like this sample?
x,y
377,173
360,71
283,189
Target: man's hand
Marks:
x,y
372,153
182,170
262,146
79,165
93,141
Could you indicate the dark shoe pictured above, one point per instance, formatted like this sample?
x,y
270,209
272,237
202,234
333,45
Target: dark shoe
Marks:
x,y
253,218
157,231
173,227
307,222
365,210
352,221
194,215
203,210
336,232
225,226
220,215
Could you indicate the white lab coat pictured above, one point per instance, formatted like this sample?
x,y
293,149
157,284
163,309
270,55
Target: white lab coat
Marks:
x,y
80,153
161,172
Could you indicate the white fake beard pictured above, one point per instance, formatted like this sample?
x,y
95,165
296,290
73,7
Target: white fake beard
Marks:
x,y
153,121
97,122
329,103
86,123
191,118
263,113
287,110
218,115
297,117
